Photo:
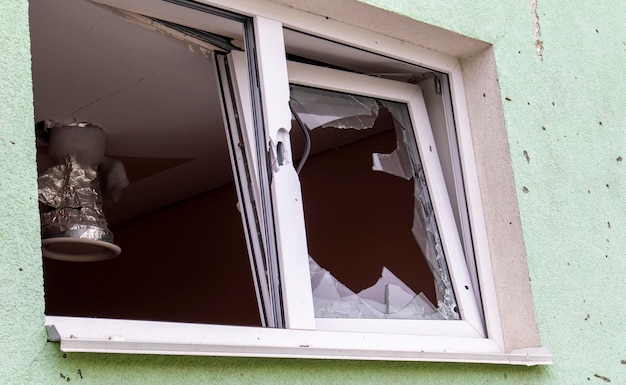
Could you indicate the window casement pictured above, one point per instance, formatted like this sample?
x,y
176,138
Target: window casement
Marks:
x,y
383,261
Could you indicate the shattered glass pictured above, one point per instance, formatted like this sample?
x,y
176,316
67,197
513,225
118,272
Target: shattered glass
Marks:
x,y
322,108
389,297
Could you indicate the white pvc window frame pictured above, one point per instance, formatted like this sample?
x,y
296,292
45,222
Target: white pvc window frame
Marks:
x,y
299,338
410,95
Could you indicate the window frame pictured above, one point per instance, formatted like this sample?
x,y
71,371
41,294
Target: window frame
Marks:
x,y
91,335
101,335
411,95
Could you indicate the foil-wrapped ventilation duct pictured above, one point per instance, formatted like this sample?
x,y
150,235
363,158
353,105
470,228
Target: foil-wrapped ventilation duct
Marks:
x,y
73,191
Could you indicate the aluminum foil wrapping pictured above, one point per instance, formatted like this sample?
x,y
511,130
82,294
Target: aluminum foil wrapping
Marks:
x,y
72,192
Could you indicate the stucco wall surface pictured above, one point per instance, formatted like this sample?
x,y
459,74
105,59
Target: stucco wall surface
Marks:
x,y
564,114
21,283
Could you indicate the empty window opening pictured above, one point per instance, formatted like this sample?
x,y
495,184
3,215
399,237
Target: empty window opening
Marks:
x,y
184,255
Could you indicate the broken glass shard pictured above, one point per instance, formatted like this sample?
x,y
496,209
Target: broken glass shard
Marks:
x,y
321,108
388,298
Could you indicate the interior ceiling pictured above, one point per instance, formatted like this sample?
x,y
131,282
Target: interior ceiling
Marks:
x,y
155,96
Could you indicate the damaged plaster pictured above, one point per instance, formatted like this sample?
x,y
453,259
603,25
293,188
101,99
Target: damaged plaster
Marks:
x,y
537,30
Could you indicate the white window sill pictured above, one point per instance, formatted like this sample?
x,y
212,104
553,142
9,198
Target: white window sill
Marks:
x,y
144,337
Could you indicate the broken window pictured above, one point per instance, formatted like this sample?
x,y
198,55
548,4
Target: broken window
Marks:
x,y
370,175
310,197
370,211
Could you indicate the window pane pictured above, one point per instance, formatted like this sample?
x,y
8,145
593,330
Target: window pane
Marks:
x,y
375,250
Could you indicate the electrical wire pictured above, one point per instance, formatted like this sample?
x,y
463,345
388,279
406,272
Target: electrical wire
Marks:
x,y
305,131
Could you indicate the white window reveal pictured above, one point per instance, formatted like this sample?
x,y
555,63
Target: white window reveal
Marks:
x,y
333,214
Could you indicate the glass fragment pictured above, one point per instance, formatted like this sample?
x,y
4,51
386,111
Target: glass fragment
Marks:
x,y
321,108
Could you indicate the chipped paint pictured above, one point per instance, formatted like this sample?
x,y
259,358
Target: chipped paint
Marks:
x,y
537,30
603,378
146,22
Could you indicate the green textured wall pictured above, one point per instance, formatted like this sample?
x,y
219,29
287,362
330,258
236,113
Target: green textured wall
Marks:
x,y
21,284
565,120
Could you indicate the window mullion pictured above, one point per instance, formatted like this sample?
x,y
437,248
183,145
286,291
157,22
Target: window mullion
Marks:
x,y
285,187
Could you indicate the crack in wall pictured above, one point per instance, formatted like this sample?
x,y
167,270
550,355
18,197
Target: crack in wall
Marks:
x,y
111,94
94,26
537,30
